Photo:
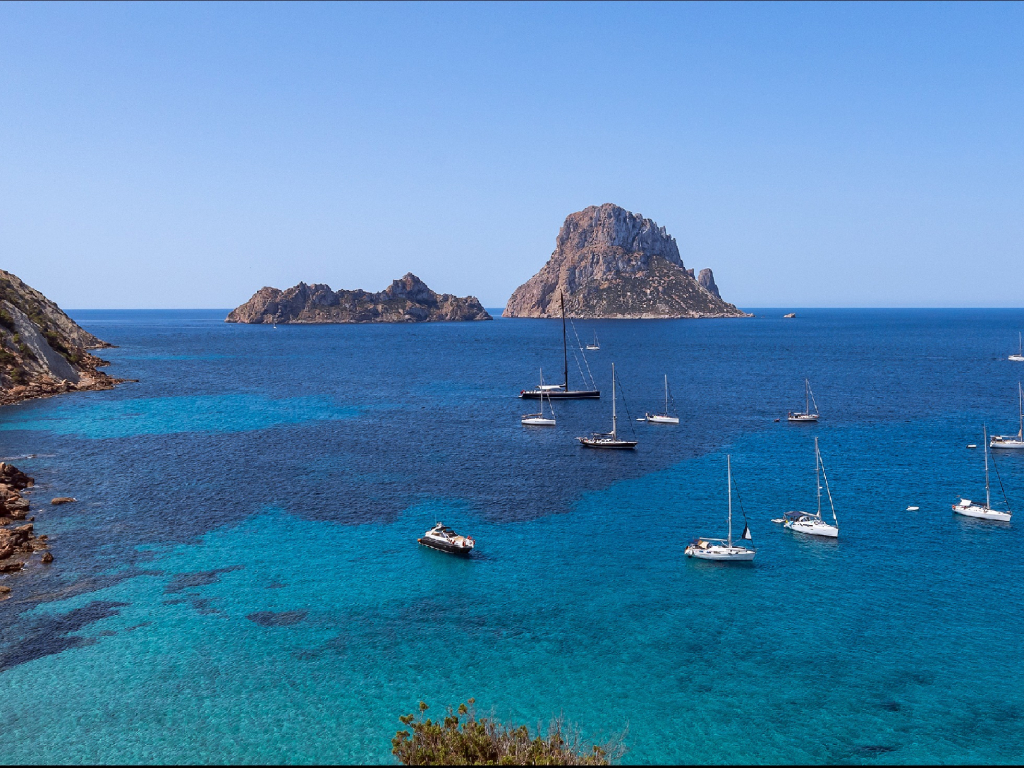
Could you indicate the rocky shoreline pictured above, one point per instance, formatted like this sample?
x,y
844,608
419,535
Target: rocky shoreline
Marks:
x,y
50,387
18,540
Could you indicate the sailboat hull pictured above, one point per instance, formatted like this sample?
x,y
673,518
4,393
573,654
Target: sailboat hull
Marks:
x,y
1016,358
813,528
1006,443
536,394
981,513
726,554
802,418
660,419
590,442
537,421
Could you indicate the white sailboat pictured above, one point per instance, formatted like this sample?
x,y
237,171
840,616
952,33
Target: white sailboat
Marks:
x,y
608,439
1013,441
967,508
722,549
539,419
1019,357
806,417
814,525
595,345
661,418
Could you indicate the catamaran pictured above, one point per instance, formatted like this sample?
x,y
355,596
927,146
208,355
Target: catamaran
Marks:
x,y
1019,357
722,549
661,418
814,525
1013,441
539,419
806,416
608,439
967,508
562,391
595,345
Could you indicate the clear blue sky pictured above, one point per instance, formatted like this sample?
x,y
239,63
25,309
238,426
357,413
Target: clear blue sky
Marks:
x,y
184,155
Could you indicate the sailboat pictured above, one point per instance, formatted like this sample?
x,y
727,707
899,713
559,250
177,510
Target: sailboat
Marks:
x,y
1019,357
814,525
539,419
561,391
661,418
608,439
595,345
806,417
722,549
969,509
1012,441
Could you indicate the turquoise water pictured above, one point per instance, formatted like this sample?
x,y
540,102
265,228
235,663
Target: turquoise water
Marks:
x,y
254,593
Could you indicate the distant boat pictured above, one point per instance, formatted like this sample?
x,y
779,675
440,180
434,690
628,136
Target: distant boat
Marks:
x,y
722,549
1019,357
790,315
814,525
1013,441
608,439
595,345
562,391
539,419
661,418
806,417
967,508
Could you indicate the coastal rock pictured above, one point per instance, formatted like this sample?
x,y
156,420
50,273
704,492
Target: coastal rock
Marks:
x,y
407,300
16,543
63,500
43,352
706,280
47,557
609,262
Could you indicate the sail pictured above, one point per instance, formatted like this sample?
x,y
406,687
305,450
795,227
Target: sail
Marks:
x,y
746,533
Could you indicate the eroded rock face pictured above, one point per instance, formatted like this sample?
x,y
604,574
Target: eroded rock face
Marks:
x,y
706,280
609,262
408,300
17,542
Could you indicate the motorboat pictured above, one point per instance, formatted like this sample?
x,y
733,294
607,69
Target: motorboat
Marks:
x,y
540,419
608,439
1019,357
807,417
444,539
562,391
1012,441
968,508
814,524
661,418
722,549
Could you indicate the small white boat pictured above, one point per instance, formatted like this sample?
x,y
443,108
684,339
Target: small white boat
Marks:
x,y
539,419
661,418
806,417
444,539
1012,441
608,439
596,344
1019,357
968,508
913,509
722,549
814,525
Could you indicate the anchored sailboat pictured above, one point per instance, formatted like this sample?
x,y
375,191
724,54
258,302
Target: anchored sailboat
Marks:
x,y
1013,441
814,525
722,549
608,439
539,419
1019,357
806,417
595,345
661,418
562,391
969,509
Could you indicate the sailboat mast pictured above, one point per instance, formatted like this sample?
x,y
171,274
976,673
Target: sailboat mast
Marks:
x,y
1020,409
988,496
666,394
807,397
614,430
817,473
728,464
565,350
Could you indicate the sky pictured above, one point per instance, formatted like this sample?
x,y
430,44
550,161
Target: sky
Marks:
x,y
813,155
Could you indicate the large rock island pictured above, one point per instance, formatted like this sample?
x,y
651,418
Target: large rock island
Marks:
x,y
43,352
408,300
609,262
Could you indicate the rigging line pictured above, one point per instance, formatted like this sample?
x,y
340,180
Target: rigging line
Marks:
x,y
584,378
811,391
1005,500
593,385
739,499
626,406
830,503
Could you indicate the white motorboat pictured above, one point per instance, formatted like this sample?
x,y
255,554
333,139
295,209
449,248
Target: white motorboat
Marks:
x,y
540,419
661,418
608,439
968,508
1012,441
1019,357
807,417
814,525
444,539
596,345
722,549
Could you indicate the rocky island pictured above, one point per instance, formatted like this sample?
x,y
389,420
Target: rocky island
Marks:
x,y
610,263
408,300
43,352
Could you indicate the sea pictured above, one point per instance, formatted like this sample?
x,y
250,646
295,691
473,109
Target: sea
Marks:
x,y
239,580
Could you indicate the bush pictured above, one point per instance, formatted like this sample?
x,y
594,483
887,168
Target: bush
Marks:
x,y
472,741
6,320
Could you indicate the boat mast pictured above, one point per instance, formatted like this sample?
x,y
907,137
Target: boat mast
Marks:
x,y
565,350
1020,408
817,473
728,464
988,496
807,397
666,394
614,431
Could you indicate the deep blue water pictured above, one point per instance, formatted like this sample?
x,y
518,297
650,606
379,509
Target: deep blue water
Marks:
x,y
240,580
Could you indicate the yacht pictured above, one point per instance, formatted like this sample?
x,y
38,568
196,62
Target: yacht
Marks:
x,y
1019,357
444,539
661,418
562,391
806,417
814,525
1012,441
968,508
596,345
722,549
540,419
608,439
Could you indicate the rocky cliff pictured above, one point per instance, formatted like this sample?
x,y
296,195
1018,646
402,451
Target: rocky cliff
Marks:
x,y
43,352
612,263
408,300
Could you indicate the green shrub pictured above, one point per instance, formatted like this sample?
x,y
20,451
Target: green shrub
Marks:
x,y
26,351
6,320
472,741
